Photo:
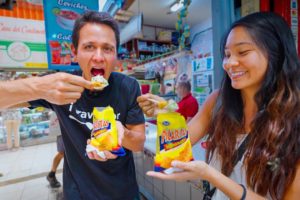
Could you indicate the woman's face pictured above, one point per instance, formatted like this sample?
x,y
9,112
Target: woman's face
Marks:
x,y
244,62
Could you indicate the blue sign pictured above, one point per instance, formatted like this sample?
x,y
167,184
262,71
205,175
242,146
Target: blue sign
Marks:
x,y
60,16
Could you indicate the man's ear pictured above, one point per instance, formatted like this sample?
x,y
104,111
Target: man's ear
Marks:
x,y
74,53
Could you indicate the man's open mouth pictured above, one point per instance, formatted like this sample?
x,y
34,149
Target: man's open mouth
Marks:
x,y
96,72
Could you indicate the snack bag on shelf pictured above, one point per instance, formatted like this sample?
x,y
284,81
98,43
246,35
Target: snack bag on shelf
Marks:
x,y
172,142
105,134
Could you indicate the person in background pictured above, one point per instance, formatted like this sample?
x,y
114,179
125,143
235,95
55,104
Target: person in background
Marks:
x,y
95,41
188,105
55,129
258,107
12,119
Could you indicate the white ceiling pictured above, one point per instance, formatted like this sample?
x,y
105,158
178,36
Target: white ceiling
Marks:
x,y
155,12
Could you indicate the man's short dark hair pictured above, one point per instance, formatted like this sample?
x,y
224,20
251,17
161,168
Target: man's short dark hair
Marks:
x,y
98,18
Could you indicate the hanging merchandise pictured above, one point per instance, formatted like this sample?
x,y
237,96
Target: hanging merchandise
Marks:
x,y
183,29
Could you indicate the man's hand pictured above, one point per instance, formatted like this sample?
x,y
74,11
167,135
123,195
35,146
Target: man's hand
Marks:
x,y
147,104
61,88
104,156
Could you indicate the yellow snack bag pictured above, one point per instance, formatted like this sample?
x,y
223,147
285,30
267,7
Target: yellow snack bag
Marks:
x,y
105,134
172,141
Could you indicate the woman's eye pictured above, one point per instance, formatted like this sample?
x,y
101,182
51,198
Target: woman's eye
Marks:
x,y
226,55
244,52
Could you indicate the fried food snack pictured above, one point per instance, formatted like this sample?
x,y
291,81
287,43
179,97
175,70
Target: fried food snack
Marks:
x,y
99,82
162,104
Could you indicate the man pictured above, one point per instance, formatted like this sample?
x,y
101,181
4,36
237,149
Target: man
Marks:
x,y
95,40
188,105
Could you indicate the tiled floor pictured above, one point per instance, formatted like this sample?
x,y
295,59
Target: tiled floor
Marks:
x,y
24,173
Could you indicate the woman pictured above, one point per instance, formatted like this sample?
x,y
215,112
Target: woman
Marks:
x,y
258,99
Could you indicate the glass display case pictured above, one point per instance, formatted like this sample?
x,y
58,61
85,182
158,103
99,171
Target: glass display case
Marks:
x,y
35,127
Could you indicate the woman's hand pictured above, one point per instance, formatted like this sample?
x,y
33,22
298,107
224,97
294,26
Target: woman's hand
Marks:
x,y
193,170
148,103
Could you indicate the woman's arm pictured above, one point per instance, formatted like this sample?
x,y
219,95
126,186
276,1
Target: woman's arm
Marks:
x,y
196,170
229,187
198,126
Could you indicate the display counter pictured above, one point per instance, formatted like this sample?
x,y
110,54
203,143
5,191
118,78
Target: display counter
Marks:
x,y
157,189
34,128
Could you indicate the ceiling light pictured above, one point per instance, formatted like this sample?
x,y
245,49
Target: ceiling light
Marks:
x,y
176,6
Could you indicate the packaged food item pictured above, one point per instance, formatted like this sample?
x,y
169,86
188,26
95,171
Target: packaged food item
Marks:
x,y
172,141
105,134
99,82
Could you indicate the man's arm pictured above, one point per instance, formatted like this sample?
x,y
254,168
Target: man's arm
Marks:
x,y
58,88
134,137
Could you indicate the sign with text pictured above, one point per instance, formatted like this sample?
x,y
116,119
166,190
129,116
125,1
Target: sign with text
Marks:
x,y
22,43
60,16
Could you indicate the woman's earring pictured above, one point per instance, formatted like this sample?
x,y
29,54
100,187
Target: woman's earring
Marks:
x,y
274,164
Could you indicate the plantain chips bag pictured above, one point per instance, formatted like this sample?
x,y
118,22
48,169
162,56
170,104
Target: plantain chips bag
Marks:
x,y
172,141
105,134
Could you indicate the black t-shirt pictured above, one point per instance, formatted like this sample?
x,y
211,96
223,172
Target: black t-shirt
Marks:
x,y
89,179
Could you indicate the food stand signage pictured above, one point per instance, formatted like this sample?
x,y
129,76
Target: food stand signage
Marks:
x,y
60,16
22,43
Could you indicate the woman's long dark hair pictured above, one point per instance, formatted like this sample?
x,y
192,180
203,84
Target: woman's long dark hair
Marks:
x,y
275,130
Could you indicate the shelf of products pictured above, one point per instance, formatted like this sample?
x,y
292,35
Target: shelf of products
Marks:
x,y
142,49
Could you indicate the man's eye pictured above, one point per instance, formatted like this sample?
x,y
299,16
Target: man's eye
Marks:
x,y
89,47
108,49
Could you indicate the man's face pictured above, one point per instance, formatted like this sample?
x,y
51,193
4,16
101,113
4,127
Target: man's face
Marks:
x,y
96,51
179,90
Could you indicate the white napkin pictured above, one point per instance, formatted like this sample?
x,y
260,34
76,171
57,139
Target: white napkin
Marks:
x,y
90,148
